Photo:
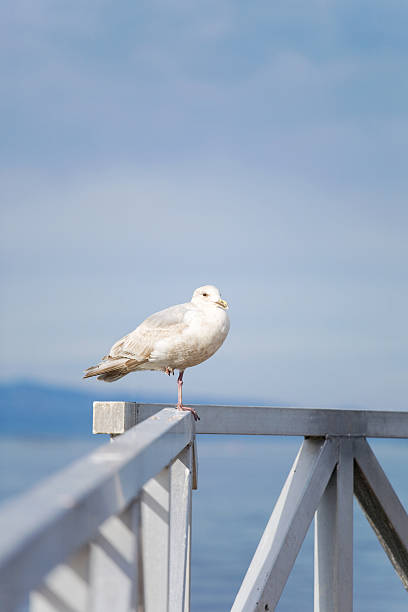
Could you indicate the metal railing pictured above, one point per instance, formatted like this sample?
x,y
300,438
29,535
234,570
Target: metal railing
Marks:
x,y
112,531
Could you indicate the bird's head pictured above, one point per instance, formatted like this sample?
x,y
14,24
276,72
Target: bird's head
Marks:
x,y
208,295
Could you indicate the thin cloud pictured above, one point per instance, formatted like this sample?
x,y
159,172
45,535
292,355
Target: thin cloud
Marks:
x,y
151,149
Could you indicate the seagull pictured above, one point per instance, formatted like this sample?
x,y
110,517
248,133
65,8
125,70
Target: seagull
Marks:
x,y
176,338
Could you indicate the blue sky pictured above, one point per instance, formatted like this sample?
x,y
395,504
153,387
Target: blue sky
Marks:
x,y
148,148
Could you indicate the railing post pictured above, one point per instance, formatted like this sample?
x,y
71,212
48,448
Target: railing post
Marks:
x,y
180,531
155,542
114,418
334,538
116,550
151,580
165,512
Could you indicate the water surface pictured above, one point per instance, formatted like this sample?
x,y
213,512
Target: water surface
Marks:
x,y
240,478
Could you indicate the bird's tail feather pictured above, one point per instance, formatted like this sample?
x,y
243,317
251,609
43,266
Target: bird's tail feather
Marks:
x,y
110,377
110,369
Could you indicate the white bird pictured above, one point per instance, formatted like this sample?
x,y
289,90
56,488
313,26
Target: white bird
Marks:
x,y
176,338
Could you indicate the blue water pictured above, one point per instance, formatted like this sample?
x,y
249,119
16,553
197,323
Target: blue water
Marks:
x,y
239,481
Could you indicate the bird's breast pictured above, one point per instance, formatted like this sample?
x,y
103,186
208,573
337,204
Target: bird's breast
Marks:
x,y
201,338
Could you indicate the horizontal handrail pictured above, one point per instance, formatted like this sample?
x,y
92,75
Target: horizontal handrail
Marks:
x,y
44,526
268,420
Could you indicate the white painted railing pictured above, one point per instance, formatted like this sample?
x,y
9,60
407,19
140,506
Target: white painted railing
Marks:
x,y
112,531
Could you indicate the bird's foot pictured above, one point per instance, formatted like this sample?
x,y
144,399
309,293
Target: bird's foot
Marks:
x,y
169,371
193,412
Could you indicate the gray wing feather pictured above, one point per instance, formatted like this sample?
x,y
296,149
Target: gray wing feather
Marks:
x,y
166,319
140,343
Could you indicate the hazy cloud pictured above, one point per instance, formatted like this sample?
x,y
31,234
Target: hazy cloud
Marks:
x,y
150,148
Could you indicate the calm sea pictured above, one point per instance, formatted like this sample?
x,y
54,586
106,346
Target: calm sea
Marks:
x,y
239,481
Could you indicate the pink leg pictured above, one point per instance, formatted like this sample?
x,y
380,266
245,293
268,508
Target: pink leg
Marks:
x,y
180,398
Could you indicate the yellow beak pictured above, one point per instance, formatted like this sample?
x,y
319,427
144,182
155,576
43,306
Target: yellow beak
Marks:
x,y
222,303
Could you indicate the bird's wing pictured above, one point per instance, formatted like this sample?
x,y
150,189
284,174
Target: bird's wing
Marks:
x,y
140,343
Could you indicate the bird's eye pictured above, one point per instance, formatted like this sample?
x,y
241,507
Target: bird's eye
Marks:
x,y
205,294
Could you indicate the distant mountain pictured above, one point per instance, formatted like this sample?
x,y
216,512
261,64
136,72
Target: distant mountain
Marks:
x,y
29,408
